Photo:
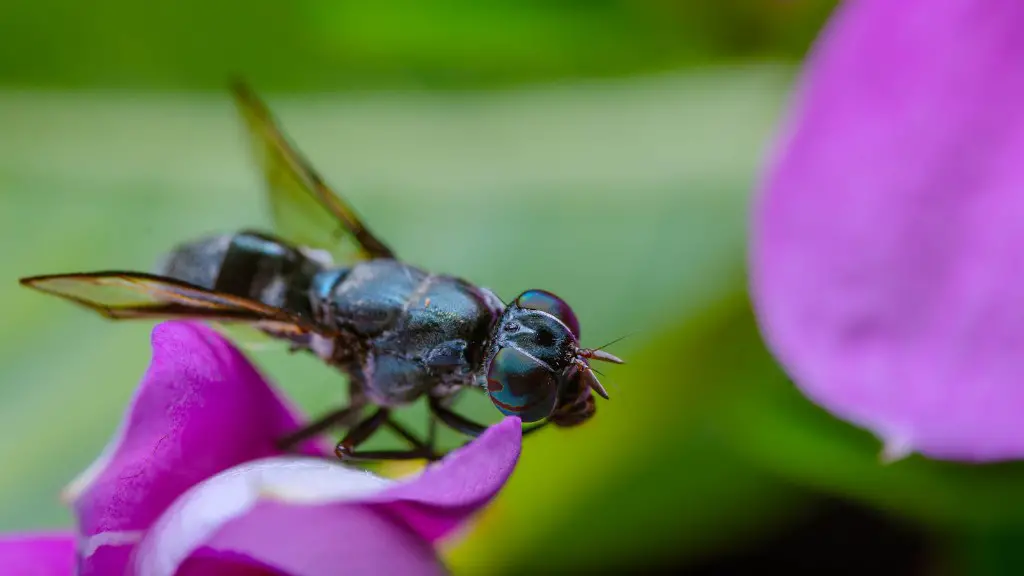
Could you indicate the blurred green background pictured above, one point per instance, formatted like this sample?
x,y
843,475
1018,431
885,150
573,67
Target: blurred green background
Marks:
x,y
627,134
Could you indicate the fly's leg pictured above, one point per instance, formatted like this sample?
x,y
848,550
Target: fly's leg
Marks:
x,y
534,428
360,433
455,421
346,449
340,417
431,430
464,425
425,449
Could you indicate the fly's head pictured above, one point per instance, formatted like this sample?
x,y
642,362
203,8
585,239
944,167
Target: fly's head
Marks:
x,y
538,369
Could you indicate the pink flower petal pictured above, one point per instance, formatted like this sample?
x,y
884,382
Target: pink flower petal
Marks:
x,y
888,246
315,516
325,541
38,554
445,494
201,408
210,562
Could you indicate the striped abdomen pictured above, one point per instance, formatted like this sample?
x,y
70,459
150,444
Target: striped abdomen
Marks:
x,y
247,264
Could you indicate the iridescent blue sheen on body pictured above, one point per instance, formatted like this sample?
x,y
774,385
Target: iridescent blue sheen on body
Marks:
x,y
324,282
406,331
419,330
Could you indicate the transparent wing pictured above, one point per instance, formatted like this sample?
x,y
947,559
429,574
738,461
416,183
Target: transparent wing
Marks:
x,y
305,210
134,295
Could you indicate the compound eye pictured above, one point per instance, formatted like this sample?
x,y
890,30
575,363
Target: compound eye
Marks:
x,y
547,302
521,386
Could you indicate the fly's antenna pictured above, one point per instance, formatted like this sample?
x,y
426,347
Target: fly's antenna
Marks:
x,y
595,354
598,353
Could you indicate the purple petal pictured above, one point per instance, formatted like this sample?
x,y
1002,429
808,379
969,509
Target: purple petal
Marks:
x,y
313,516
888,245
201,408
211,562
322,541
445,494
38,554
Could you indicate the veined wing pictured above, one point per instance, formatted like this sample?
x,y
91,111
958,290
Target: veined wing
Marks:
x,y
305,210
135,295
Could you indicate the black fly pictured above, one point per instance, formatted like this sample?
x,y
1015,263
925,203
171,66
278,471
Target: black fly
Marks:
x,y
397,332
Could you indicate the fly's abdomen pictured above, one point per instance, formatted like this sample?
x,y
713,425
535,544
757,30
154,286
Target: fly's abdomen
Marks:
x,y
247,264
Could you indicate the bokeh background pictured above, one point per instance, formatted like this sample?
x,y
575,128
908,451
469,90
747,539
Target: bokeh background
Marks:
x,y
603,149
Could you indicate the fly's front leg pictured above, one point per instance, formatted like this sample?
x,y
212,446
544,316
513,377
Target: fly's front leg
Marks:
x,y
454,421
464,425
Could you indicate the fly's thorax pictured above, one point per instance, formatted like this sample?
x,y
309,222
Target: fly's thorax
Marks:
x,y
415,330
491,301
368,299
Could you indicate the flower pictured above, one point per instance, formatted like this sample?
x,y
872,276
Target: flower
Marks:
x,y
887,256
192,484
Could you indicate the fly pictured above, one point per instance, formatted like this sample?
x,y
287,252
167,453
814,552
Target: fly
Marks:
x,y
397,332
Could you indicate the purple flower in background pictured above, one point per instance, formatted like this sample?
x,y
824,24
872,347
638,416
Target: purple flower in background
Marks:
x,y
193,485
888,244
